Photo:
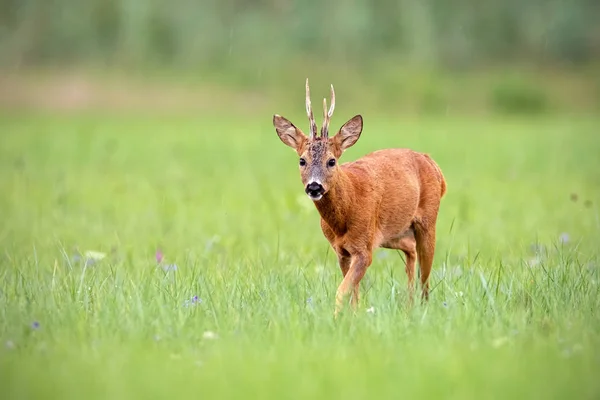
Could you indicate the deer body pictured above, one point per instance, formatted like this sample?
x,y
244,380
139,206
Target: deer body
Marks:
x,y
389,198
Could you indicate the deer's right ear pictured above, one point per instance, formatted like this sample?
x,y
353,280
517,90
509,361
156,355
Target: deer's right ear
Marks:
x,y
288,133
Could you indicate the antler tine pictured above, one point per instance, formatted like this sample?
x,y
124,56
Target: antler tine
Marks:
x,y
311,117
332,106
327,114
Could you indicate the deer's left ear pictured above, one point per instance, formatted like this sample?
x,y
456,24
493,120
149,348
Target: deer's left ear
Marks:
x,y
289,134
349,133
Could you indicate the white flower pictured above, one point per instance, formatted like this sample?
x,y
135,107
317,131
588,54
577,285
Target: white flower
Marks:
x,y
533,262
210,335
94,255
371,310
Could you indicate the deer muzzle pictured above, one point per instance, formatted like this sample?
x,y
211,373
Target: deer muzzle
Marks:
x,y
315,190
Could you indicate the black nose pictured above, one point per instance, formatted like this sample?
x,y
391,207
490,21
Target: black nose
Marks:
x,y
314,189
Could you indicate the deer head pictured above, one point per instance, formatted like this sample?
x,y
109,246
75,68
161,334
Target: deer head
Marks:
x,y
319,155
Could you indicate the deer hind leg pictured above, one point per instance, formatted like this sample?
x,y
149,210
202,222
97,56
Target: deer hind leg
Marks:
x,y
425,235
408,244
359,263
344,260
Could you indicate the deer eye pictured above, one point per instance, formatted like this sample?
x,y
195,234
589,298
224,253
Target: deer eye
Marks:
x,y
302,162
331,162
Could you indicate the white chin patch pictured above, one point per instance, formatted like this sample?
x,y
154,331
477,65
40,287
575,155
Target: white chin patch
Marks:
x,y
315,198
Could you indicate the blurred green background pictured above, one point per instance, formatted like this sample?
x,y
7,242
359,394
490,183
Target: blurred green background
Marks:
x,y
134,129
428,56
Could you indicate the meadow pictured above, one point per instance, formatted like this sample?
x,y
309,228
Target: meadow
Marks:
x,y
157,256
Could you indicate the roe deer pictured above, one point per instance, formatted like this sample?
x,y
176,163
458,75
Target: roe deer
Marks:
x,y
389,198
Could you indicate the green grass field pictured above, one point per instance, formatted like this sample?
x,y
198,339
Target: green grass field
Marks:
x,y
516,280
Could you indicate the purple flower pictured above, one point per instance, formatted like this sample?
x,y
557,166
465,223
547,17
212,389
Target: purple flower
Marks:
x,y
89,262
193,301
35,325
159,256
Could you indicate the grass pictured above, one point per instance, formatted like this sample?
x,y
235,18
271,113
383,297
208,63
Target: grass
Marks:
x,y
513,312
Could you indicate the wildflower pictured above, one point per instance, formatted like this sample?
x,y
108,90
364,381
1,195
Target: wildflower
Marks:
x,y
94,255
209,335
564,238
445,304
89,262
35,325
9,344
192,301
169,267
533,262
371,310
160,258
499,341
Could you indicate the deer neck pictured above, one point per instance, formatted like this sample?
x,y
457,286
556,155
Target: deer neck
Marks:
x,y
335,205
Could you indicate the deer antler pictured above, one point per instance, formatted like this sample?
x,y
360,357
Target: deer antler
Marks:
x,y
311,117
327,114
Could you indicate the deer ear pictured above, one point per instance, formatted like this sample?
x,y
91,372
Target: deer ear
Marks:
x,y
349,133
288,133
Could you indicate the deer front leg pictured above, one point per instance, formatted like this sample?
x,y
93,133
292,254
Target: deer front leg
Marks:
x,y
344,260
358,267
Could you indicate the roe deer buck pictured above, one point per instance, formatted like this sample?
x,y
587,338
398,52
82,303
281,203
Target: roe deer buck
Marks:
x,y
389,198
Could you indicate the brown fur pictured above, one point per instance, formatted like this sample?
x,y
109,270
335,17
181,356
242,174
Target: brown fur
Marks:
x,y
389,198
